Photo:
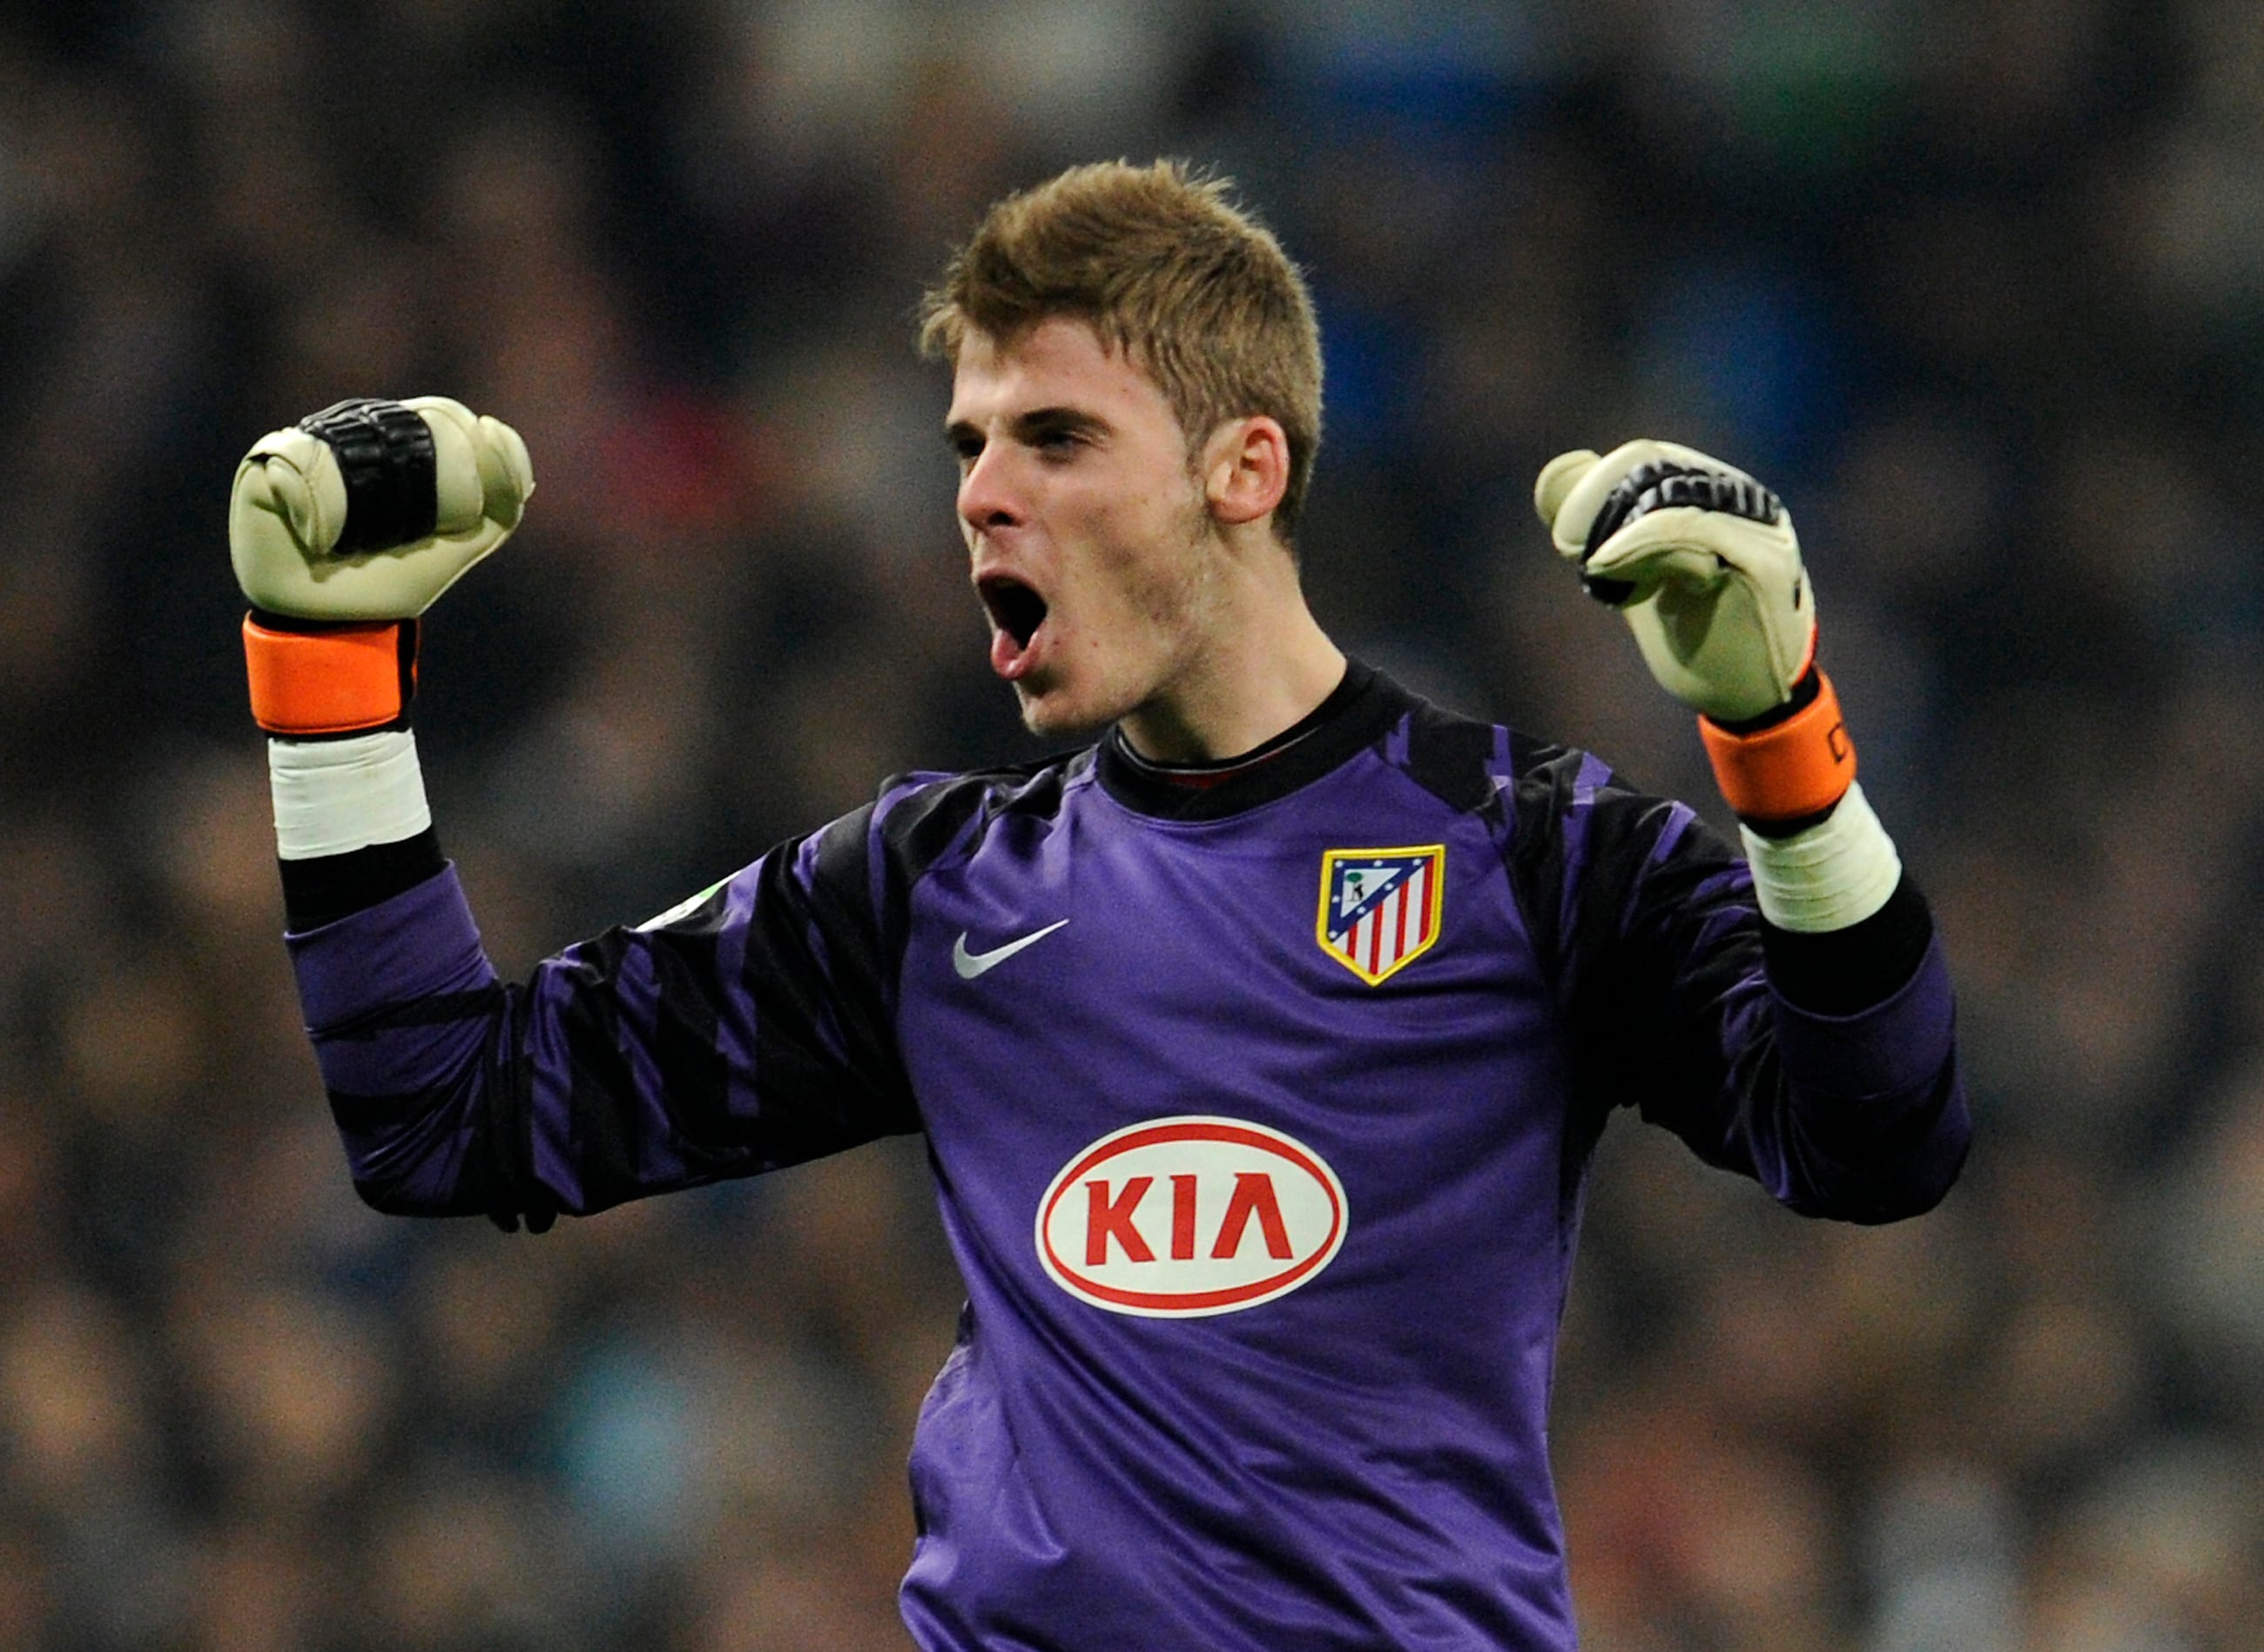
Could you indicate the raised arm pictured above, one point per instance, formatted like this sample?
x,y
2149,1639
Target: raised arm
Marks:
x,y
744,1030
1813,1048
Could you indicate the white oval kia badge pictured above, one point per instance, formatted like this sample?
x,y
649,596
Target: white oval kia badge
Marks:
x,y
1182,1217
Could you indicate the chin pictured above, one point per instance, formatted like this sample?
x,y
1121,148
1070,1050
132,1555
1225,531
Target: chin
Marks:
x,y
1053,712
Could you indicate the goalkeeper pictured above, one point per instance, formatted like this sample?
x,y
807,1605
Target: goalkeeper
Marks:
x,y
1261,1044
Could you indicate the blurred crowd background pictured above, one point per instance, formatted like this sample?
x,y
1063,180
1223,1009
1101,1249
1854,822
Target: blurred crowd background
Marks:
x,y
1976,288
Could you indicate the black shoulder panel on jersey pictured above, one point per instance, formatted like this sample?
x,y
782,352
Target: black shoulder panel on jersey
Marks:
x,y
924,827
1540,795
936,818
915,835
1450,756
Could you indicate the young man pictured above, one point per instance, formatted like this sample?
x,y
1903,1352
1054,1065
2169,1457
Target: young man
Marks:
x,y
1260,1047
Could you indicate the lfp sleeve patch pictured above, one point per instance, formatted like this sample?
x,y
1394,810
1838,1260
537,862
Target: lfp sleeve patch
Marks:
x,y
1380,908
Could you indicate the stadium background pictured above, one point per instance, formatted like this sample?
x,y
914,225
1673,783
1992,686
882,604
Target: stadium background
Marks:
x,y
1975,286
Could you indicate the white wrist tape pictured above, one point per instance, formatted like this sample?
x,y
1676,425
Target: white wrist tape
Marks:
x,y
333,796
1831,875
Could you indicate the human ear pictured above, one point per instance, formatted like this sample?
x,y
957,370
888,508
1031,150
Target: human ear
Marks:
x,y
1245,469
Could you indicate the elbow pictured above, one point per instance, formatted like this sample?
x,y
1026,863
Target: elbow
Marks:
x,y
389,1196
1915,1198
1926,1172
1878,1176
407,1153
450,1187
393,1180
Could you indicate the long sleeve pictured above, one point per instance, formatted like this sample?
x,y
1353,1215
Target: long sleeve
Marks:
x,y
746,1033
1676,1007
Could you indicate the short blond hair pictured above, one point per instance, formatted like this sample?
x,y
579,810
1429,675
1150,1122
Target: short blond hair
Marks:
x,y
1164,266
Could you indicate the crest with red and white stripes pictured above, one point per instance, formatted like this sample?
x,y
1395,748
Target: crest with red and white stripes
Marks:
x,y
1380,907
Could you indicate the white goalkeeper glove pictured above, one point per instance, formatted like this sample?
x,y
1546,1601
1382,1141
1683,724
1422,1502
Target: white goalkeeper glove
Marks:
x,y
369,510
343,530
1702,561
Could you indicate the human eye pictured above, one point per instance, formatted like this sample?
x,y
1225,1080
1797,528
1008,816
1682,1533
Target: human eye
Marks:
x,y
1058,443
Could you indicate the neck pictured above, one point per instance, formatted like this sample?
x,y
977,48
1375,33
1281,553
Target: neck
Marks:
x,y
1263,663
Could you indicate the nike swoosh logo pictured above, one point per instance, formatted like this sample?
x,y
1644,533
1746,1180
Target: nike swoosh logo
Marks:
x,y
970,965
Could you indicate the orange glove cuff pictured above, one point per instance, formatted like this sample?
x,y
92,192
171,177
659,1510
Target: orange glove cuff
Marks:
x,y
341,680
1791,769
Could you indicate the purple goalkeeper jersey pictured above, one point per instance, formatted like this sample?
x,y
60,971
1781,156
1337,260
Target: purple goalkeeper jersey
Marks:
x,y
1259,1115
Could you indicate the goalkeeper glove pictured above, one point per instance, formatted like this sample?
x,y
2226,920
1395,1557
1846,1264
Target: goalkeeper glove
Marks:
x,y
1703,563
343,530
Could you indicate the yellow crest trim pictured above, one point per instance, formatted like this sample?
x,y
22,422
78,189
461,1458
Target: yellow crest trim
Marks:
x,y
1406,922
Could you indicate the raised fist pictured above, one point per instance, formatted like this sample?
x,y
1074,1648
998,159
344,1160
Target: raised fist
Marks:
x,y
1702,561
370,509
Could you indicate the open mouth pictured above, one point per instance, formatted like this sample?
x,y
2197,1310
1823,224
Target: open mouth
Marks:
x,y
1016,612
1015,607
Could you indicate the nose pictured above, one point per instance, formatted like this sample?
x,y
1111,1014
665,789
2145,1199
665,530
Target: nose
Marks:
x,y
988,496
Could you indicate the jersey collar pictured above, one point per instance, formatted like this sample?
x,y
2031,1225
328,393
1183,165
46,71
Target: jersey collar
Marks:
x,y
1359,711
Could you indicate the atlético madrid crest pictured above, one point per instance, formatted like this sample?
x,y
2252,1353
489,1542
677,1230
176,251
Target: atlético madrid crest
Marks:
x,y
1380,907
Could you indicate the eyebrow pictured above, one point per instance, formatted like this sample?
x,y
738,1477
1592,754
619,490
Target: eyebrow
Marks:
x,y
1038,422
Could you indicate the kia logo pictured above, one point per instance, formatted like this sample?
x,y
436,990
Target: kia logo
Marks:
x,y
1182,1217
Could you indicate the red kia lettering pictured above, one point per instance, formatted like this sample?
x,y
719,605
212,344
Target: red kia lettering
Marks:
x,y
1253,1196
1190,1216
1112,1218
